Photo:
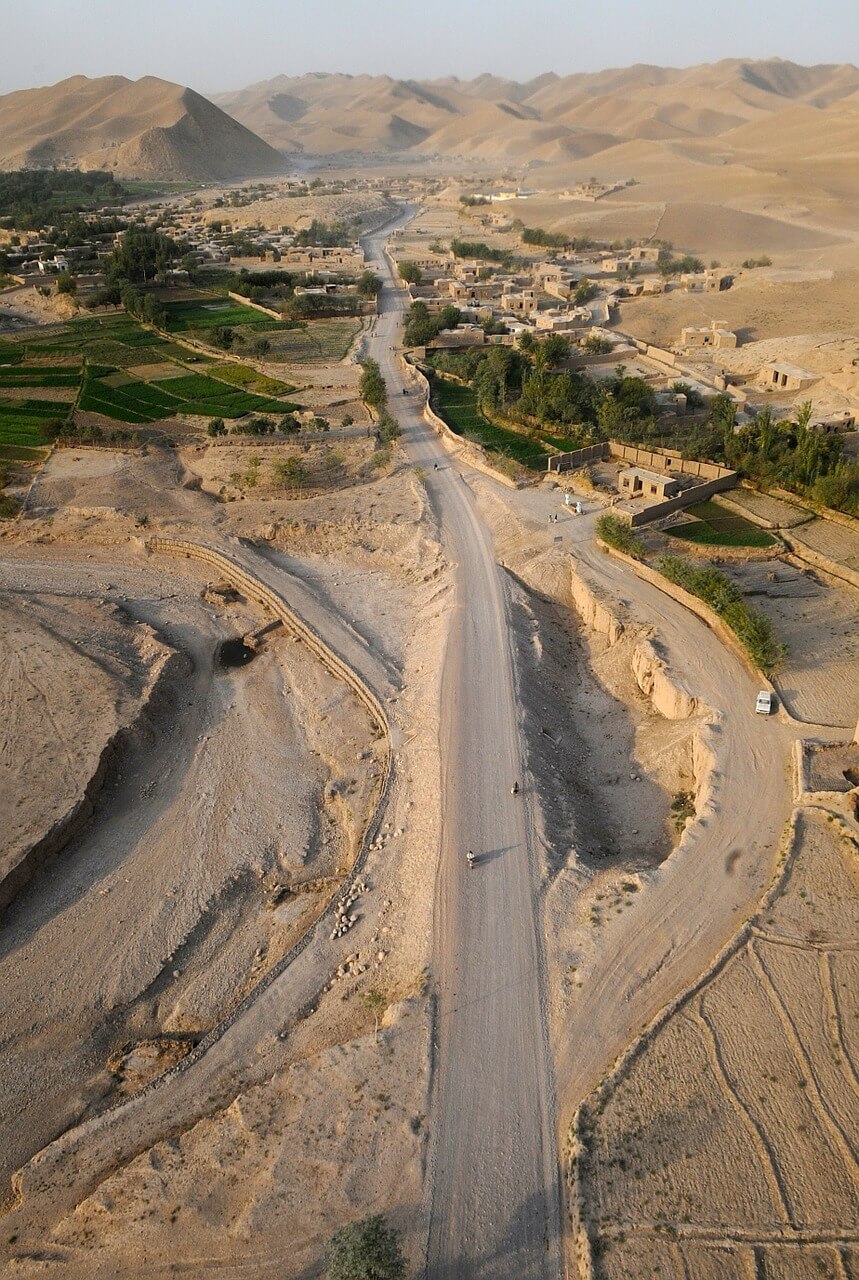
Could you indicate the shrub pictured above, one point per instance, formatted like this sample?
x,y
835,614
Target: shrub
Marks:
x,y
618,534
388,428
288,473
366,1250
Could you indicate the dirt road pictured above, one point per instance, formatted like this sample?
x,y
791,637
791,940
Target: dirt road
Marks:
x,y
494,1168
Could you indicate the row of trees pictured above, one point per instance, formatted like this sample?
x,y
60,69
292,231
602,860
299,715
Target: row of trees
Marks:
x,y
479,249
34,198
374,392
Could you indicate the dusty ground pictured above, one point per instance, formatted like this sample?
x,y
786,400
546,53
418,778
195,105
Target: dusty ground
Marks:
x,y
172,907
726,1143
75,672
756,307
162,916
818,620
369,557
369,209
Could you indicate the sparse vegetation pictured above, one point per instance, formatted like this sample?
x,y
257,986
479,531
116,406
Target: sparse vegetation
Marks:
x,y
682,808
754,631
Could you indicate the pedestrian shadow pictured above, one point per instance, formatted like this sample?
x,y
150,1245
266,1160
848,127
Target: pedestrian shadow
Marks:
x,y
490,855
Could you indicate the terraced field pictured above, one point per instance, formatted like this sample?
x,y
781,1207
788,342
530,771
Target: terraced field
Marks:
x,y
115,367
726,1145
137,401
316,342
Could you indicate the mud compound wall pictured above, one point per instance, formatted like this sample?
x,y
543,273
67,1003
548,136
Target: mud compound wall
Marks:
x,y
255,590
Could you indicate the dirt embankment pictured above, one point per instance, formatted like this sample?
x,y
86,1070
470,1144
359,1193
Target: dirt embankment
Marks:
x,y
77,683
184,880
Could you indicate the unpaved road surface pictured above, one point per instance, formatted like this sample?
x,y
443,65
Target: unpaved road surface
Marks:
x,y
494,1174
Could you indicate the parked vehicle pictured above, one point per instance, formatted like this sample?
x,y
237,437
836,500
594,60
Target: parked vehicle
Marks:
x,y
764,703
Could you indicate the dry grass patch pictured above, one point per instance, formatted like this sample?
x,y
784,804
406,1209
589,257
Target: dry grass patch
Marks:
x,y
728,1138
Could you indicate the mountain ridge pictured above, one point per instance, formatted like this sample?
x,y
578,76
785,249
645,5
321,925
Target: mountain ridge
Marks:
x,y
146,128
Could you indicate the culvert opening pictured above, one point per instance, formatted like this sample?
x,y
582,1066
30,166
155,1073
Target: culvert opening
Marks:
x,y
234,653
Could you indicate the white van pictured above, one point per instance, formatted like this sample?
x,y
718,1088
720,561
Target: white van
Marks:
x,y
764,703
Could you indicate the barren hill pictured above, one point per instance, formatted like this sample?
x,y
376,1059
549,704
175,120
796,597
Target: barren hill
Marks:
x,y
547,119
145,128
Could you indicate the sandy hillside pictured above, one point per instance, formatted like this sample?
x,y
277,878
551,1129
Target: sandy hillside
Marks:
x,y
762,310
726,1141
145,128
550,119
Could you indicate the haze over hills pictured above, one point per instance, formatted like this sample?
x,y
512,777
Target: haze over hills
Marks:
x,y
146,128
546,119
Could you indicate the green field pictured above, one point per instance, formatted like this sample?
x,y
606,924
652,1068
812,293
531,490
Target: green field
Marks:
x,y
21,453
716,526
21,420
318,342
39,375
200,314
141,402
112,345
242,375
457,404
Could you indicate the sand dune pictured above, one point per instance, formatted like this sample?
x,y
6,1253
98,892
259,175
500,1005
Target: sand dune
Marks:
x,y
143,128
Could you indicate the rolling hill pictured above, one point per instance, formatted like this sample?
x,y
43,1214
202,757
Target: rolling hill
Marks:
x,y
146,128
546,119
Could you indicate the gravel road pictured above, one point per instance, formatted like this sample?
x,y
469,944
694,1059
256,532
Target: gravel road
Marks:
x,y
494,1174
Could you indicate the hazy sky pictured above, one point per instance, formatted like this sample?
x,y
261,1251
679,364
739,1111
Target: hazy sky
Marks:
x,y
225,44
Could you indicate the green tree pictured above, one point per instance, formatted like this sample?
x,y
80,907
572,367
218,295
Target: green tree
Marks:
x,y
371,385
65,283
557,349
222,336
140,255
377,1002
261,347
216,427
410,272
368,284
366,1250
